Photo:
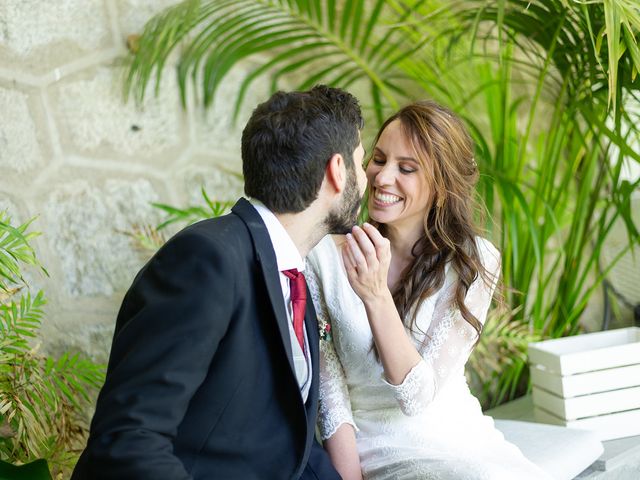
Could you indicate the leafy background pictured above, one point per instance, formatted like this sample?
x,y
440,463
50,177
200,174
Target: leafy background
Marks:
x,y
549,90
543,86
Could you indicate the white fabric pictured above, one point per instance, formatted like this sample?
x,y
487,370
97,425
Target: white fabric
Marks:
x,y
430,426
288,257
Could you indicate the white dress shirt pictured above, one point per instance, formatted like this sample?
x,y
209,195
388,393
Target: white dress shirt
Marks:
x,y
288,257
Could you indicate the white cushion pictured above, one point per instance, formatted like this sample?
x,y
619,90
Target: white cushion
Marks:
x,y
561,452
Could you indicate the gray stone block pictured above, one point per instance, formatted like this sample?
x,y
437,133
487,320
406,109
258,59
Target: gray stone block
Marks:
x,y
218,181
133,14
85,225
37,35
215,130
20,146
95,120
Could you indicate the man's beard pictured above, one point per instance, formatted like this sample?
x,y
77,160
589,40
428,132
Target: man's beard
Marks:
x,y
341,222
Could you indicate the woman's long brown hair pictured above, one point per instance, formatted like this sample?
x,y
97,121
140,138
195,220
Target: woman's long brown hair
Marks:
x,y
444,148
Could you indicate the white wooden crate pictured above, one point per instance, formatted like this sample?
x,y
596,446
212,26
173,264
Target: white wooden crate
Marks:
x,y
606,427
588,352
584,383
589,381
587,405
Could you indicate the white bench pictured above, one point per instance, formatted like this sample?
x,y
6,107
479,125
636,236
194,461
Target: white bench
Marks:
x,y
566,452
562,452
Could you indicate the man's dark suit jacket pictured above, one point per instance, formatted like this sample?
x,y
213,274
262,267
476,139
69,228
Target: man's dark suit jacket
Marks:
x,y
201,382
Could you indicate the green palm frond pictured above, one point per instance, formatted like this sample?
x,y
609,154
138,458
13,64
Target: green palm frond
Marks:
x,y
41,399
150,238
573,32
192,214
337,43
72,375
19,322
15,247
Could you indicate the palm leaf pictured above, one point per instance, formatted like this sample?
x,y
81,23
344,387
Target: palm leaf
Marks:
x,y
19,322
585,62
192,214
337,43
15,248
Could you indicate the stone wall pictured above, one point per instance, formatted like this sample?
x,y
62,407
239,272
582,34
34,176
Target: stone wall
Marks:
x,y
88,165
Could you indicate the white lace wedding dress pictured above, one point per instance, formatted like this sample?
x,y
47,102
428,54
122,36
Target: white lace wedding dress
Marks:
x,y
430,426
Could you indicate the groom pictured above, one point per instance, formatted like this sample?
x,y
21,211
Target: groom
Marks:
x,y
213,372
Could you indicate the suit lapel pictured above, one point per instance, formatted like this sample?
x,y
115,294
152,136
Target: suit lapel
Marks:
x,y
267,259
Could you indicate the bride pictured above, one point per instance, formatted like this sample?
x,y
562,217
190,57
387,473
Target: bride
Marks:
x,y
406,297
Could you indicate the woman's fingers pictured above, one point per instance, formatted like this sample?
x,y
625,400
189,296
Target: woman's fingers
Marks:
x,y
349,264
347,256
356,253
366,260
366,246
380,244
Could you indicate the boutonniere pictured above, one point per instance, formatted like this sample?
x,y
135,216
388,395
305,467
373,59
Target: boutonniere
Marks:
x,y
324,330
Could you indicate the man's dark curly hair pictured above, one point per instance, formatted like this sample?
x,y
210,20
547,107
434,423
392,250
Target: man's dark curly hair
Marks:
x,y
288,141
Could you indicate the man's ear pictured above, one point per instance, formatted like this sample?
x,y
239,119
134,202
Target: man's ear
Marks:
x,y
336,172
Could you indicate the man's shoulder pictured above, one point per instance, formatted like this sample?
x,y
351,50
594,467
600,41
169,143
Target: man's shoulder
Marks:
x,y
226,233
218,227
216,244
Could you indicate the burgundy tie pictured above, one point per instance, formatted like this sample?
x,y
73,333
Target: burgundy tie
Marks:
x,y
299,301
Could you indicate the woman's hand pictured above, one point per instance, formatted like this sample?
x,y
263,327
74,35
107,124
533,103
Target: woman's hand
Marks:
x,y
366,255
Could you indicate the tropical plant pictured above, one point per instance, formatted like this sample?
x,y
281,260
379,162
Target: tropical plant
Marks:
x,y
331,42
552,162
498,359
150,238
191,214
14,249
542,85
42,399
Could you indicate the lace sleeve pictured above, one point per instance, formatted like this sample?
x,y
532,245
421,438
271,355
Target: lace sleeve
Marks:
x,y
450,338
334,402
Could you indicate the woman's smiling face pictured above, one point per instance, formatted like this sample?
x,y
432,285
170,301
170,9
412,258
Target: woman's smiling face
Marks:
x,y
399,192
